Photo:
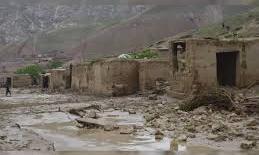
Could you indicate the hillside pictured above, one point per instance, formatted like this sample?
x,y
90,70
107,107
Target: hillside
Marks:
x,y
96,28
242,26
159,22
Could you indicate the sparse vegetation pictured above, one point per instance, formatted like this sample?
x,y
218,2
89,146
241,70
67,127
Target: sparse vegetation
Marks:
x,y
236,25
145,54
55,64
33,70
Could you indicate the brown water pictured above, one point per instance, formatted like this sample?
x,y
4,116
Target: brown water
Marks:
x,y
60,129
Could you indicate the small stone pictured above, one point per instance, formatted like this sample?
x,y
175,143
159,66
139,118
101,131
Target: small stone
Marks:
x,y
132,111
138,127
252,123
152,97
160,105
159,137
108,128
80,126
182,138
92,114
218,128
216,138
126,129
246,145
191,135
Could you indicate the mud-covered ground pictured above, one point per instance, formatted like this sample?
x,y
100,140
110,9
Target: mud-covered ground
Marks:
x,y
25,115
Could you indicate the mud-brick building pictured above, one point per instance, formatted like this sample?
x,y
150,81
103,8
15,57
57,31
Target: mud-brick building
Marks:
x,y
15,80
106,77
209,62
117,77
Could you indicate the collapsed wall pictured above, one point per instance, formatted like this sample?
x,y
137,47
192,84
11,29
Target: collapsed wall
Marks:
x,y
151,71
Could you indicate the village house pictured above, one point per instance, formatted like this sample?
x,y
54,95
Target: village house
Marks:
x,y
211,62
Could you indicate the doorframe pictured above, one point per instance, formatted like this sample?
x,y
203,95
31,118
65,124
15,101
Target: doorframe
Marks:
x,y
237,66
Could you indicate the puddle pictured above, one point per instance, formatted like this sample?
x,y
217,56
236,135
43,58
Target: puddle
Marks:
x,y
60,129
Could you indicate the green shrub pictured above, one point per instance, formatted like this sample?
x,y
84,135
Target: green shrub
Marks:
x,y
33,70
145,54
55,64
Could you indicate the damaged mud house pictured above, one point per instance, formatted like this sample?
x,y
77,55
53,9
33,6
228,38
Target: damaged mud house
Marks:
x,y
192,62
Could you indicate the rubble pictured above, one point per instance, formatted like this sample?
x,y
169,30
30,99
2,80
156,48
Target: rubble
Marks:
x,y
93,123
246,145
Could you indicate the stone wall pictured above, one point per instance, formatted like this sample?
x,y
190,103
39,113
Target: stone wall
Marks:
x,y
152,70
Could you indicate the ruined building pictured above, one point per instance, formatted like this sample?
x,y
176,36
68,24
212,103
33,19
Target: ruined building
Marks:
x,y
208,62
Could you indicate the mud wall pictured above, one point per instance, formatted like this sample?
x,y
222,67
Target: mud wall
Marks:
x,y
22,81
152,70
106,77
250,62
58,79
81,76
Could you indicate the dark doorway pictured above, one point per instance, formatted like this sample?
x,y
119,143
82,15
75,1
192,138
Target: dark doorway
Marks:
x,y
9,81
45,82
178,49
227,68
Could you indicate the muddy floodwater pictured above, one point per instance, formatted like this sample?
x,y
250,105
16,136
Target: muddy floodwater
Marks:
x,y
60,128
46,117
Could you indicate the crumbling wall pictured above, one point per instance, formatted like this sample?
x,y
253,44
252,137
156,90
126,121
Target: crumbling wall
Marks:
x,y
58,79
152,70
115,77
201,61
106,77
81,77
22,81
250,63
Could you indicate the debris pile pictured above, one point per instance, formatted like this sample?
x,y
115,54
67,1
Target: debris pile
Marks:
x,y
216,98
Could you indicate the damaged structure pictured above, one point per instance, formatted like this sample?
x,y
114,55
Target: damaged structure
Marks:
x,y
117,77
212,63
16,80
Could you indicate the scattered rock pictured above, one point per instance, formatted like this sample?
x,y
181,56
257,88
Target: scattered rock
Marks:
x,y
216,138
220,127
246,145
126,129
92,114
93,123
199,111
252,123
2,136
132,111
182,138
152,97
191,135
